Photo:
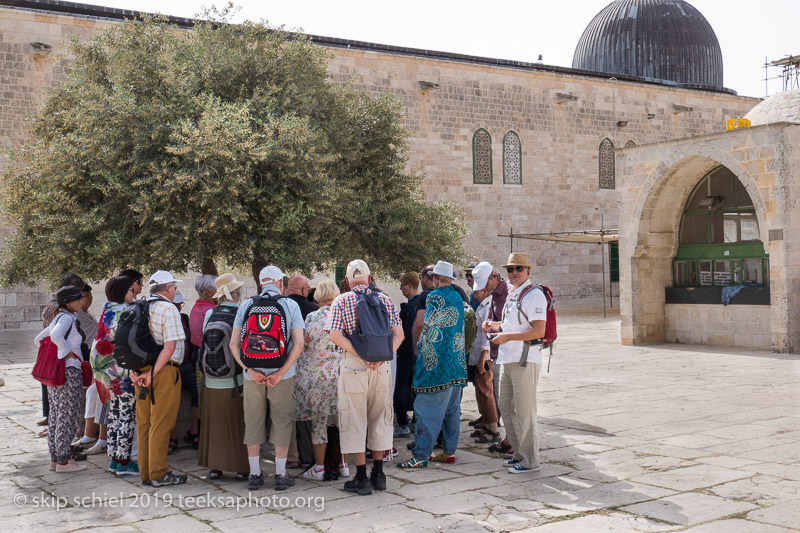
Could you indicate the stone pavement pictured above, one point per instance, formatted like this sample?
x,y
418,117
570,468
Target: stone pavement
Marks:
x,y
634,438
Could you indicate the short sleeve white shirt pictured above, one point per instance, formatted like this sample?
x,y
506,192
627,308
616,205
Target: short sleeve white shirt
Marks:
x,y
535,306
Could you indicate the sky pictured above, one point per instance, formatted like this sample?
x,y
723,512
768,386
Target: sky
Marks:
x,y
748,31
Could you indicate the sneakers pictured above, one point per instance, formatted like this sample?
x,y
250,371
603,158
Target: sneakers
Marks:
x,y
413,463
112,466
71,466
130,469
519,469
84,443
377,480
388,455
511,462
362,487
402,432
97,449
313,473
284,481
344,470
443,458
169,479
53,465
254,482
42,422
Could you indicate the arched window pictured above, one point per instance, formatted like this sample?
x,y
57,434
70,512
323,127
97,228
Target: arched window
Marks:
x,y
719,241
606,170
482,157
512,158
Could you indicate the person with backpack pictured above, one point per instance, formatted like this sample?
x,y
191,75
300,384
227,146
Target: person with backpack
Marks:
x,y
524,319
114,387
158,381
222,446
65,400
317,379
266,340
440,372
365,324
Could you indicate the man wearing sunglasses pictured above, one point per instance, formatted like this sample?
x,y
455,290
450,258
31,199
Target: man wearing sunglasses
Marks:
x,y
523,320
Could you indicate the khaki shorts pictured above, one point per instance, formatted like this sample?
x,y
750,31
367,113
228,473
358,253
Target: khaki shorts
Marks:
x,y
365,406
280,399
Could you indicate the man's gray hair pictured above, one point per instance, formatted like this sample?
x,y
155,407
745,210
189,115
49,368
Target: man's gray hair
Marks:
x,y
159,288
205,283
497,271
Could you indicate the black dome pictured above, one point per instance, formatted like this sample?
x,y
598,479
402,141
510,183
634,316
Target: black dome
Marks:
x,y
667,41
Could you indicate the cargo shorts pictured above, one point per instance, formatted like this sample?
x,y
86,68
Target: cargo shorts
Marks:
x,y
365,406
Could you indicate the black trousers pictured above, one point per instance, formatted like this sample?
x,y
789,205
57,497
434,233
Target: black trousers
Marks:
x,y
403,397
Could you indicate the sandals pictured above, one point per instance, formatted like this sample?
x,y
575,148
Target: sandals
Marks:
x,y
500,448
412,463
488,437
193,439
477,433
173,445
476,421
443,458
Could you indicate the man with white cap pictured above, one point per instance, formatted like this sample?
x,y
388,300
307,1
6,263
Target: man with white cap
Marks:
x,y
524,319
365,388
440,372
479,358
269,387
155,416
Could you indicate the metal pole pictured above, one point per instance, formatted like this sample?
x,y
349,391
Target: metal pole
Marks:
x,y
512,240
603,253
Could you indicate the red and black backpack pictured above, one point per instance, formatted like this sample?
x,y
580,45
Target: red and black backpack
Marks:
x,y
550,333
265,334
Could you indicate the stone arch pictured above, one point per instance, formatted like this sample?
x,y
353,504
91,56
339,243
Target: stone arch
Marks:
x,y
653,241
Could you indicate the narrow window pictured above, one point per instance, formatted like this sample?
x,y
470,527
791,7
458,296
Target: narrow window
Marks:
x,y
512,158
482,157
607,164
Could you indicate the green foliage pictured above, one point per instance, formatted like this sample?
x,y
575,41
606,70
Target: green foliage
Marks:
x,y
166,148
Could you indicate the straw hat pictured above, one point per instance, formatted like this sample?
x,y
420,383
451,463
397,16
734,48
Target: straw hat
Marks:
x,y
518,259
225,284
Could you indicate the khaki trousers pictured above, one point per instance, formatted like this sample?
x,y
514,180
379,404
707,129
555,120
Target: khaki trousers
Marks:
x,y
484,394
518,386
365,406
154,421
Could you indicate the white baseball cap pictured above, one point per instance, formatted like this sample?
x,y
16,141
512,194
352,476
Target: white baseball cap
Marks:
x,y
270,273
481,273
162,277
357,270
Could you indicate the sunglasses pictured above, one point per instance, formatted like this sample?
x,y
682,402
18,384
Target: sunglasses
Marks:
x,y
517,268
468,275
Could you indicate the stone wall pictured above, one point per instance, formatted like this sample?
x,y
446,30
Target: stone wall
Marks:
x,y
733,325
560,137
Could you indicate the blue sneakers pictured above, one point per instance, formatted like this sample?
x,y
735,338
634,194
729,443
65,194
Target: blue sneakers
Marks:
x,y
112,466
519,469
511,462
130,469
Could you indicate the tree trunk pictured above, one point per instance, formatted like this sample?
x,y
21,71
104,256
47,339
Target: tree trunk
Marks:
x,y
208,267
259,262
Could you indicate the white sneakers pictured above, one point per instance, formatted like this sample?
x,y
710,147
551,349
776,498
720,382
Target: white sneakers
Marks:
x,y
97,449
314,473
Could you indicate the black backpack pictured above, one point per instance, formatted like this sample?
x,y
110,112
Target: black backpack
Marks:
x,y
134,345
372,336
216,359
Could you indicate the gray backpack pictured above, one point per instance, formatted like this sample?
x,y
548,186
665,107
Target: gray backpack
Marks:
x,y
372,336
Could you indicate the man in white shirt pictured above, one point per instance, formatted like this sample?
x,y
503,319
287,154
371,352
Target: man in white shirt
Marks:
x,y
524,319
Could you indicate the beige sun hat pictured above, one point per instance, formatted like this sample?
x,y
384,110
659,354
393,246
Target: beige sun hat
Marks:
x,y
518,259
225,284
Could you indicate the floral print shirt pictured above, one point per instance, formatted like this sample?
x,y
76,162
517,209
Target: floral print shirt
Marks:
x,y
111,379
317,369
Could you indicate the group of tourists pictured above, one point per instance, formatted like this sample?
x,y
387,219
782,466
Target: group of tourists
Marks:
x,y
349,365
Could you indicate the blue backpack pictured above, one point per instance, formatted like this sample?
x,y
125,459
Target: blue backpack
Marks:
x,y
372,336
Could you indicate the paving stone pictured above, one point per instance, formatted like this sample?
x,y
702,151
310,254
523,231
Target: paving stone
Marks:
x,y
613,523
605,495
691,477
736,526
377,519
759,489
785,514
172,523
272,522
689,508
461,502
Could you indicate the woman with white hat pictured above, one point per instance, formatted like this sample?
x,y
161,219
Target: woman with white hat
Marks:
x,y
222,416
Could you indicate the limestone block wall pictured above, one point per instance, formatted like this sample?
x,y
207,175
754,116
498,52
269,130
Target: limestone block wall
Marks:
x,y
733,325
560,141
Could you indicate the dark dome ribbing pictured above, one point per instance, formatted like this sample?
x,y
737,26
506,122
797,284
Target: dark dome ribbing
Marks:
x,y
667,41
